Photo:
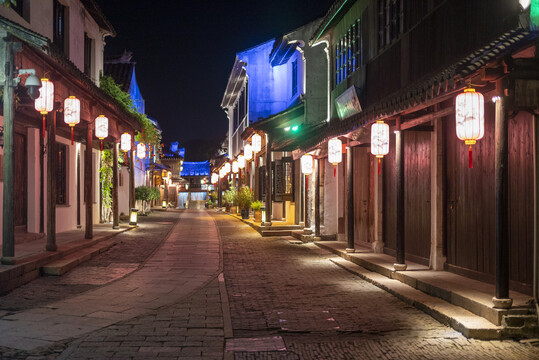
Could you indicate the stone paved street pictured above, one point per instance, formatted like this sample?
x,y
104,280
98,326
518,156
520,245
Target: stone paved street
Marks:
x,y
282,301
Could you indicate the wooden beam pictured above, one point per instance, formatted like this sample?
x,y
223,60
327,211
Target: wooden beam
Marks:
x,y
426,118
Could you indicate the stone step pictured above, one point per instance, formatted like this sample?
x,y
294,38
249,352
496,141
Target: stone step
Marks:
x,y
63,265
275,233
462,320
300,235
281,227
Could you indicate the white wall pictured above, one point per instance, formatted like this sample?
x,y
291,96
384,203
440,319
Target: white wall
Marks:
x,y
331,200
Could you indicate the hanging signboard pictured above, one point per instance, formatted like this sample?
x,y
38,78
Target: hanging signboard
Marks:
x,y
348,103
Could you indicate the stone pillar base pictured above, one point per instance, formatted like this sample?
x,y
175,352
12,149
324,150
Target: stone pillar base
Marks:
x,y
51,247
400,267
502,303
8,260
307,231
266,223
349,250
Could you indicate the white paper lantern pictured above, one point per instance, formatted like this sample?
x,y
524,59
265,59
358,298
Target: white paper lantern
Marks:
x,y
214,178
241,161
72,113
141,150
101,127
226,168
125,142
45,102
248,150
235,167
307,164
379,141
335,151
470,118
257,143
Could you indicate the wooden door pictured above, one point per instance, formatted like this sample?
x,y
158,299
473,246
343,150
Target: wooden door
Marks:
x,y
20,179
363,216
389,213
417,195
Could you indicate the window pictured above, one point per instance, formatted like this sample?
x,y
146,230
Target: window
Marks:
x,y
348,53
22,7
390,21
87,55
59,25
294,77
61,175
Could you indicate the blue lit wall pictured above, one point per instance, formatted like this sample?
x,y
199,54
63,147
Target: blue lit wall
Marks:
x,y
270,88
196,168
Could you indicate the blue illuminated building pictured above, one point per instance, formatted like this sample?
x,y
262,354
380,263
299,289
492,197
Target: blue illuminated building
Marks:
x,y
122,70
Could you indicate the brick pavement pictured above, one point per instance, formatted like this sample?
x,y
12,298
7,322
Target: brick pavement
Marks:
x,y
277,288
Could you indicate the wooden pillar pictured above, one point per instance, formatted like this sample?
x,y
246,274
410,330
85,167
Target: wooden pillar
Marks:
x,y
317,197
399,165
79,225
378,198
115,185
437,258
52,169
501,300
302,198
350,198
8,230
268,180
536,215
42,189
88,182
132,179
308,206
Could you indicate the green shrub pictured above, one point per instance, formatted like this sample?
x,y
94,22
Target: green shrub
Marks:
x,y
256,205
244,198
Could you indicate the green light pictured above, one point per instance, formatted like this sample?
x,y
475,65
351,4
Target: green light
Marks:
x,y
295,128
534,14
287,128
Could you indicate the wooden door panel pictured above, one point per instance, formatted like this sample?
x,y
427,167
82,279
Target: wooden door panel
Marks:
x,y
362,216
20,172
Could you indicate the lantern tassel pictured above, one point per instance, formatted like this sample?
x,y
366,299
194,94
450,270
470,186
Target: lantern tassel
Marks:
x,y
334,170
71,135
379,166
125,157
470,158
43,126
101,145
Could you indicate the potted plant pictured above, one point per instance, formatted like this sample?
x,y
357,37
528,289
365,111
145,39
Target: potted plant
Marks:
x,y
230,197
257,208
245,198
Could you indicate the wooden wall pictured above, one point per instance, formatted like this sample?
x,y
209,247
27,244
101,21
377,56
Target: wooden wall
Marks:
x,y
471,202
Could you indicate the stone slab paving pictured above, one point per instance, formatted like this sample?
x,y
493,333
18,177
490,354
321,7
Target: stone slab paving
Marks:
x,y
189,258
323,312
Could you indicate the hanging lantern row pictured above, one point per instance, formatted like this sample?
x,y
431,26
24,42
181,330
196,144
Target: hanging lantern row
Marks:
x,y
226,168
257,143
235,167
307,164
101,128
335,153
379,141
45,102
470,119
214,178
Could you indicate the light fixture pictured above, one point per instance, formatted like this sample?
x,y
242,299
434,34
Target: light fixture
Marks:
x,y
295,128
141,150
257,143
287,128
235,167
101,128
307,164
248,151
133,216
335,153
45,102
470,118
125,144
241,161
379,141
226,168
164,204
72,113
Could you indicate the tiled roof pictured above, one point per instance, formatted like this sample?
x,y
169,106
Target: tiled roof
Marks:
x,y
431,87
120,72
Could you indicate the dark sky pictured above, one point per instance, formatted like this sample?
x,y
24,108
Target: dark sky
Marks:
x,y
185,50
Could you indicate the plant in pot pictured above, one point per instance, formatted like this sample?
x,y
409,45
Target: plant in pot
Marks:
x,y
257,208
230,197
245,198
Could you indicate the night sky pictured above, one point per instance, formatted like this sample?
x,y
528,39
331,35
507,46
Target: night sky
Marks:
x,y
185,50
